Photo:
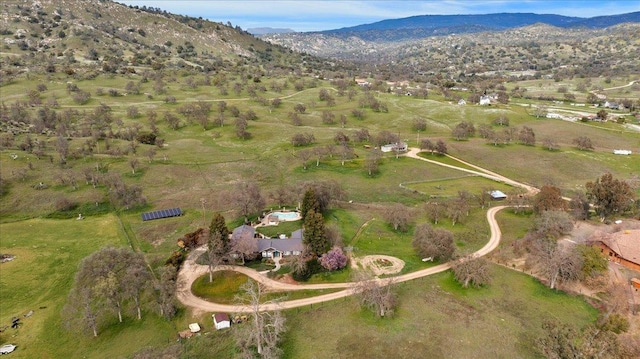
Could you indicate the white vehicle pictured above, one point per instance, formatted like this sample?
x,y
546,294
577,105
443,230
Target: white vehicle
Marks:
x,y
7,348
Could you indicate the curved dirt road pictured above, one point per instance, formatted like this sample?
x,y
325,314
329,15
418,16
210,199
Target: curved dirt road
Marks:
x,y
190,271
413,153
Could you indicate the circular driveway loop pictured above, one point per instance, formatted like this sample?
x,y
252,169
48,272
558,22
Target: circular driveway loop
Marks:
x,y
190,271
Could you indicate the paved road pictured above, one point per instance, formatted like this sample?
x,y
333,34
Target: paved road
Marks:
x,y
190,271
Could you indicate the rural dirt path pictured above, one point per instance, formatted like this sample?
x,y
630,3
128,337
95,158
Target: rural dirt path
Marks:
x,y
191,271
477,170
620,87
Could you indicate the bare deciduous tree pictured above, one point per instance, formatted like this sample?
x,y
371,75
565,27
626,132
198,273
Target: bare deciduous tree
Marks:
x,y
166,291
372,162
304,156
472,271
377,295
434,243
556,263
244,245
399,216
247,198
266,328
583,143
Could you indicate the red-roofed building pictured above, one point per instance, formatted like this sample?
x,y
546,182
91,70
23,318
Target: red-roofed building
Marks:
x,y
621,247
221,320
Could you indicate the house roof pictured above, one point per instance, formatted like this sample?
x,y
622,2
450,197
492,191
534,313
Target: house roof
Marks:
x,y
282,245
297,234
626,244
243,230
221,317
497,194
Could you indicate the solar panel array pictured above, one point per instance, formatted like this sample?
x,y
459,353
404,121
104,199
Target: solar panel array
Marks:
x,y
163,213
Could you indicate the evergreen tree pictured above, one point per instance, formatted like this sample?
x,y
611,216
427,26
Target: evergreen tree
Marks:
x,y
219,227
314,233
309,203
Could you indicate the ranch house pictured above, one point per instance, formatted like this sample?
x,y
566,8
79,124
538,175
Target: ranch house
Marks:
x,y
282,246
621,247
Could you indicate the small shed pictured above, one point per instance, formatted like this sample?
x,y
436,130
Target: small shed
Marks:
x,y
635,282
221,320
273,220
497,195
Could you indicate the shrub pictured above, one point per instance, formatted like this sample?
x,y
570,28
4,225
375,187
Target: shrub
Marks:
x,y
147,138
176,259
334,259
312,267
64,204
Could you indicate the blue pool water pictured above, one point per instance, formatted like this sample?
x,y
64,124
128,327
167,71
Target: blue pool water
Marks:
x,y
285,215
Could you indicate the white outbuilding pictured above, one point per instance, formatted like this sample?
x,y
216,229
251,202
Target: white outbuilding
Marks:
x,y
221,320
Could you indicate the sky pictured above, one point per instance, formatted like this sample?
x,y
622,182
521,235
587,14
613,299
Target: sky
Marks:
x,y
318,15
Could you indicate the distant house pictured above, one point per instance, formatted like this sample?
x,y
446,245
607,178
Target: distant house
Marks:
x,y
281,247
395,147
497,195
485,100
621,247
221,320
611,105
362,82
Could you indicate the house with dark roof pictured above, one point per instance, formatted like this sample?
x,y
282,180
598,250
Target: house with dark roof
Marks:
x,y
621,247
281,247
243,231
272,247
221,320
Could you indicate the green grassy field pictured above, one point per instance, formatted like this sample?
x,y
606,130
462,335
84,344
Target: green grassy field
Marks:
x,y
40,278
450,187
437,318
199,163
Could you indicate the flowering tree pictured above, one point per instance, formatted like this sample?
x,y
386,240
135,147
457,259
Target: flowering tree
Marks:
x,y
334,259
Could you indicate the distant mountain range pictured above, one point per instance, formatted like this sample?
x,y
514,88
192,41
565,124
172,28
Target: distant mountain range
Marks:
x,y
416,27
268,30
469,41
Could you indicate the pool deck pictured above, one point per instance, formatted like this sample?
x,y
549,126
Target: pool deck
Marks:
x,y
265,220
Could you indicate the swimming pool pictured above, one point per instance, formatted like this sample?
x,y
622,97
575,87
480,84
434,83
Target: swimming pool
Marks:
x,y
285,216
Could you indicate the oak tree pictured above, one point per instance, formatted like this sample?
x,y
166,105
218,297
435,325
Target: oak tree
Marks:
x,y
472,271
548,199
399,216
436,243
264,331
378,296
610,195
